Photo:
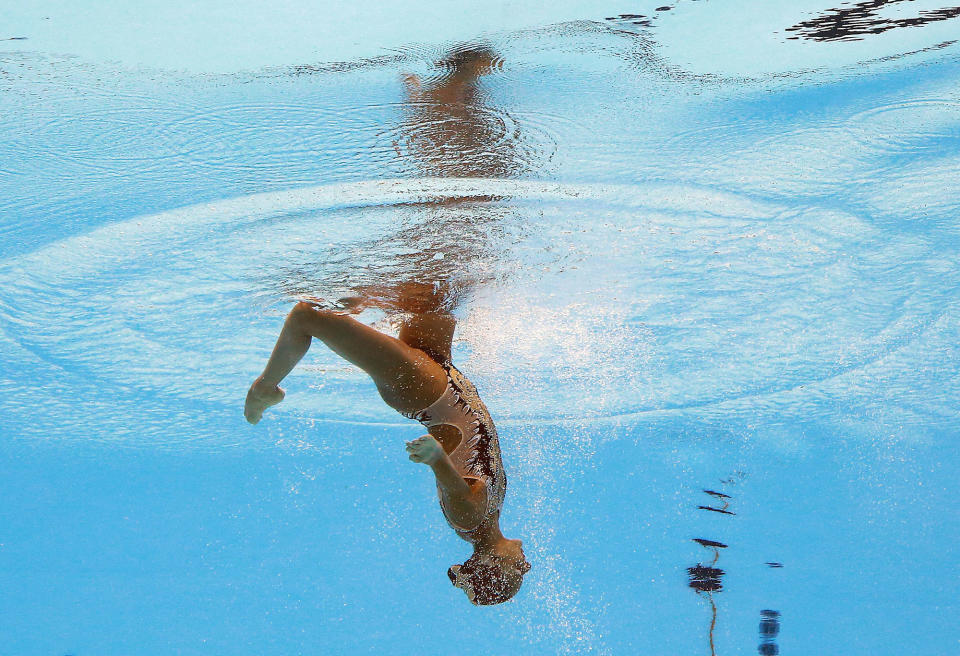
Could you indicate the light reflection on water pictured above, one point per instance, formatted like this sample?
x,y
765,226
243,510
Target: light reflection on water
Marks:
x,y
644,254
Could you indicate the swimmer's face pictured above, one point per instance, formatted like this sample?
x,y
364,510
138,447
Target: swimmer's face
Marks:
x,y
461,578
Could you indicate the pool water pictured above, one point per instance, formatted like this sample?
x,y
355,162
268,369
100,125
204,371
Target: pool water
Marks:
x,y
707,262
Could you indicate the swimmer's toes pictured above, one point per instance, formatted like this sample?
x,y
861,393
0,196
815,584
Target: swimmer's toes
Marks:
x,y
251,408
258,401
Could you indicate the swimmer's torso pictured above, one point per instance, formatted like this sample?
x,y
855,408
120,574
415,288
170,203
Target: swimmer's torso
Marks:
x,y
469,438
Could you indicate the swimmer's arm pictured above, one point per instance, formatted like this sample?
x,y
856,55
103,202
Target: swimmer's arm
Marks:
x,y
463,500
454,486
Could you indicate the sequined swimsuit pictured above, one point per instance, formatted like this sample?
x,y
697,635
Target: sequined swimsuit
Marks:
x,y
477,455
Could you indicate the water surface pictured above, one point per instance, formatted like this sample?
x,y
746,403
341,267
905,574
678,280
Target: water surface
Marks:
x,y
710,297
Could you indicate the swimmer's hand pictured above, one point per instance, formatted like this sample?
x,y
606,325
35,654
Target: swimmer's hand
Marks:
x,y
425,449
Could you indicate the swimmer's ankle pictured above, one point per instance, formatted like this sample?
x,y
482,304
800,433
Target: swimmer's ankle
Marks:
x,y
262,388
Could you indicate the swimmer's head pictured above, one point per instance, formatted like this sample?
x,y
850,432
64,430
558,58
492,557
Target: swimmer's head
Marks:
x,y
489,579
474,59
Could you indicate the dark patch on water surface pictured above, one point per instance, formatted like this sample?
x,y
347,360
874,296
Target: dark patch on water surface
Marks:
x,y
708,579
15,38
850,23
857,21
774,565
719,495
769,623
769,630
734,478
716,510
723,498
640,20
705,579
343,67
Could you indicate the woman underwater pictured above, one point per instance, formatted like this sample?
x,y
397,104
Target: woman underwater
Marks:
x,y
415,377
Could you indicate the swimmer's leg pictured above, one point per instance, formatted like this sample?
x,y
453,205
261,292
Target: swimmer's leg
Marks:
x,y
406,377
429,325
430,332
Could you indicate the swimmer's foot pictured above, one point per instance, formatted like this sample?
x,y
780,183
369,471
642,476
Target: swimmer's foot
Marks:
x,y
259,398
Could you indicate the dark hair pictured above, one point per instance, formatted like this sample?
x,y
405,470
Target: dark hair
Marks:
x,y
492,584
467,54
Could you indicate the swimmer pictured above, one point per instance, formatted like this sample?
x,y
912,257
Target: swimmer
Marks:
x,y
415,377
452,128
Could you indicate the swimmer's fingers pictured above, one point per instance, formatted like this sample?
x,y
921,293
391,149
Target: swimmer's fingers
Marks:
x,y
415,456
416,446
421,448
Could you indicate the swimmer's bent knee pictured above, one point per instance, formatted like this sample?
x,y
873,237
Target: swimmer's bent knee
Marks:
x,y
305,314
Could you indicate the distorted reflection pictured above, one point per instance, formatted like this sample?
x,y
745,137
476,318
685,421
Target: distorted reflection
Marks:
x,y
723,499
716,510
718,495
708,579
769,630
709,543
451,128
854,22
415,376
456,242
639,20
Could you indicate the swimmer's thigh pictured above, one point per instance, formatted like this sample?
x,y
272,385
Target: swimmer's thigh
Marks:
x,y
407,378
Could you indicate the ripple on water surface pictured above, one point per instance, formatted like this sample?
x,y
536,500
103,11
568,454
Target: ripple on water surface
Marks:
x,y
466,139
675,298
909,127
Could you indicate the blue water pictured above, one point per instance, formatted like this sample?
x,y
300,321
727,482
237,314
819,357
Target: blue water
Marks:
x,y
707,267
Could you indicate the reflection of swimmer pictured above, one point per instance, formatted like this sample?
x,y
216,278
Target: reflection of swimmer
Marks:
x,y
460,243
414,376
449,129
